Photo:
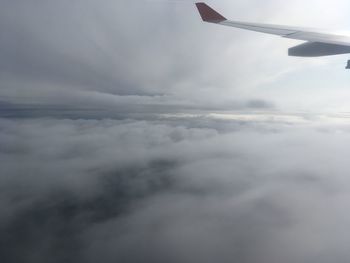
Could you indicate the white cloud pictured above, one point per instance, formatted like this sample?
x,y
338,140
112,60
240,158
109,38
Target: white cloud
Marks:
x,y
143,47
178,194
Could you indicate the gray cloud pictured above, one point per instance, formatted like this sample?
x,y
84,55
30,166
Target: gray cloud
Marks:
x,y
89,55
127,134
142,191
135,107
98,55
40,46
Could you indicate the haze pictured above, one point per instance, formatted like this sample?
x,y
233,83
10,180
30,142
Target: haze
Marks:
x,y
131,131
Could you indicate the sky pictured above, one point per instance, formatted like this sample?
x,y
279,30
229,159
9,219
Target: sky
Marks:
x,y
131,131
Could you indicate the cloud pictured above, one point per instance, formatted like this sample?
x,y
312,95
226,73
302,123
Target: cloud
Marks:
x,y
132,132
87,190
63,52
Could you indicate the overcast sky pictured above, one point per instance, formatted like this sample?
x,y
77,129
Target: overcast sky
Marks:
x,y
131,131
91,54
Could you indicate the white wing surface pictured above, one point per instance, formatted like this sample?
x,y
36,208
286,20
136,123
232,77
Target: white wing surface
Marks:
x,y
318,43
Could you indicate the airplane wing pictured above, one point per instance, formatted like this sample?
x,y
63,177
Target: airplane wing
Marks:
x,y
318,43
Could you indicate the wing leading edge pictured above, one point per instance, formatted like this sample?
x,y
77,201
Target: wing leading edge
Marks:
x,y
318,43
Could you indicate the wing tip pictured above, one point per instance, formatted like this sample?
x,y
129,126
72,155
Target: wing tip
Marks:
x,y
208,14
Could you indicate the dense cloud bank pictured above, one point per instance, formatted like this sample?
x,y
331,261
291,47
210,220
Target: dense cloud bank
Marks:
x,y
150,191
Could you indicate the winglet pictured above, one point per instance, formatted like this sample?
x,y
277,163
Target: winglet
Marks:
x,y
208,14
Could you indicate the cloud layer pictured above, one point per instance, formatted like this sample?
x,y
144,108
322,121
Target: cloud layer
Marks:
x,y
141,191
115,54
132,132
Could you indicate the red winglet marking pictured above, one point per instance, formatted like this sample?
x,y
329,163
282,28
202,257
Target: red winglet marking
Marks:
x,y
208,14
